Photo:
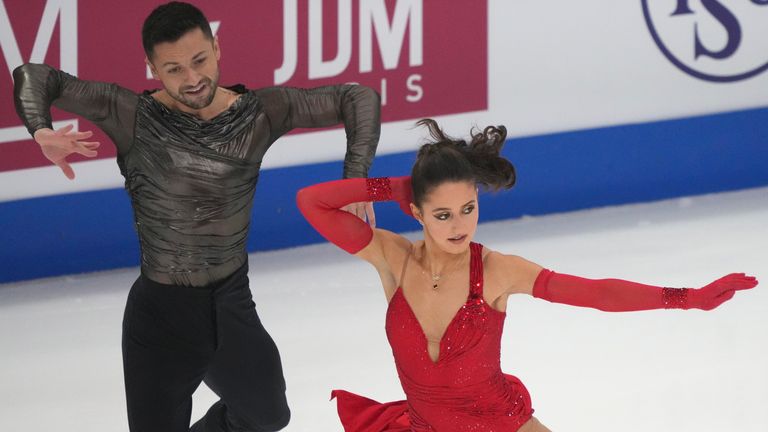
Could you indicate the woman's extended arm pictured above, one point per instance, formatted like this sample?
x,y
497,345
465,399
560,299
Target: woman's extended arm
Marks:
x,y
616,295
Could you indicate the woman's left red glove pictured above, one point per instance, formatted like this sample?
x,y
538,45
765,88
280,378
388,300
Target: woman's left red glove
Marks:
x,y
321,205
616,295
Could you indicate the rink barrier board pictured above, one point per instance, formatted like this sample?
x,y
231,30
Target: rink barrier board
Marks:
x,y
91,231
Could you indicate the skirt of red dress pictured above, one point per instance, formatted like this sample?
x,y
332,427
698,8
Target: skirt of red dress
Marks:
x,y
360,414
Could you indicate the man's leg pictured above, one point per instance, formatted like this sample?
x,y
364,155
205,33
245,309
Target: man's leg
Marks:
x,y
168,342
246,371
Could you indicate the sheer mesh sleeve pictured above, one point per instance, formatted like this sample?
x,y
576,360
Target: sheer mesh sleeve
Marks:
x,y
111,107
358,107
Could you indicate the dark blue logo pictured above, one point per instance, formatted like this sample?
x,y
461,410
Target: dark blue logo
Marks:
x,y
713,40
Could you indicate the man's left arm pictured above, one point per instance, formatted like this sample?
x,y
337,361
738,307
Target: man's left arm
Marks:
x,y
357,106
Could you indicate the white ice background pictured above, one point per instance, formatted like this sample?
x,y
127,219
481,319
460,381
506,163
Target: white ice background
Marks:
x,y
60,360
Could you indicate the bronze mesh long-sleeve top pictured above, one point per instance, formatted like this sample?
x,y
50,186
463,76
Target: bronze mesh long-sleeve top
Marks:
x,y
192,181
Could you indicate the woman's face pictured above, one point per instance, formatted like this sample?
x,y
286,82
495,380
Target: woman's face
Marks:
x,y
449,214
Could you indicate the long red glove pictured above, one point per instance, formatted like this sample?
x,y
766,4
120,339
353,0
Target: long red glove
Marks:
x,y
321,205
616,295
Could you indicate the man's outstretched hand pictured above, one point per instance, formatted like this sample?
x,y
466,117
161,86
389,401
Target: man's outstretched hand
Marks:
x,y
58,145
363,210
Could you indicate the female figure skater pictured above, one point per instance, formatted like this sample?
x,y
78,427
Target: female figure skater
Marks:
x,y
447,295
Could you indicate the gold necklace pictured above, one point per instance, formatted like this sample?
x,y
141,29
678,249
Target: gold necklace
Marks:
x,y
436,277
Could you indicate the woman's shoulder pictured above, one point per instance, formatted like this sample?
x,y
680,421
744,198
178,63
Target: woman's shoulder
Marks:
x,y
513,272
384,249
493,257
392,244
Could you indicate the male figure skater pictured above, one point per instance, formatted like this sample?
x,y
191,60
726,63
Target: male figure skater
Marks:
x,y
190,154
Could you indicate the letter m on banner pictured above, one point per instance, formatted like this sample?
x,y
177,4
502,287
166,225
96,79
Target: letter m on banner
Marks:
x,y
62,11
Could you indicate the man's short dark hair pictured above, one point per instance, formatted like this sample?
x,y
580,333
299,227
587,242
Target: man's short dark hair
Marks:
x,y
169,22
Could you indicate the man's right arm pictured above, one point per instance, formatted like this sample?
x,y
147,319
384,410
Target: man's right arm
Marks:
x,y
37,87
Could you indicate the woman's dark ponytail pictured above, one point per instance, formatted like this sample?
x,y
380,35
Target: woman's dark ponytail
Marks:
x,y
449,159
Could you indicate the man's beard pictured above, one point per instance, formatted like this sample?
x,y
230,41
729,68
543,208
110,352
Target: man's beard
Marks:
x,y
196,101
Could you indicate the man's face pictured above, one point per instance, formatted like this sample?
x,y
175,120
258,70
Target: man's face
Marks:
x,y
188,68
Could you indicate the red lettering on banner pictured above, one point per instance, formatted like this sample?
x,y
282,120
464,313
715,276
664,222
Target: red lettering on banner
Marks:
x,y
425,59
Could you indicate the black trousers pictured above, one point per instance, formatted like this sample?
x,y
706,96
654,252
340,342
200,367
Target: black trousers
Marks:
x,y
175,337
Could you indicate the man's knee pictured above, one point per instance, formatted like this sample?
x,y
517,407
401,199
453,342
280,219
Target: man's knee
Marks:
x,y
271,420
278,422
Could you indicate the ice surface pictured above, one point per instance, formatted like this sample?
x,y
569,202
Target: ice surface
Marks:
x,y
60,361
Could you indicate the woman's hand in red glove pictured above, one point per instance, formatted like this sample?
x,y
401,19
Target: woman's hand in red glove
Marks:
x,y
720,291
403,193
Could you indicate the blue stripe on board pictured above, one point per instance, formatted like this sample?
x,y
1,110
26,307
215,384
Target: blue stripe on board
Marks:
x,y
557,172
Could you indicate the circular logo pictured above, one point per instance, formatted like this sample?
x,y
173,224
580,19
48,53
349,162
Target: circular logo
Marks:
x,y
713,40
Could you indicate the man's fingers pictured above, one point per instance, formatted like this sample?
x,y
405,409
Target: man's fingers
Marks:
x,y
64,165
81,135
355,210
84,150
370,214
63,131
362,210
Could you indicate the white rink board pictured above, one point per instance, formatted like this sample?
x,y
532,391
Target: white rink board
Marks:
x,y
553,66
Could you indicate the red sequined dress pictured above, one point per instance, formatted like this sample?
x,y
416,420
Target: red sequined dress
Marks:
x,y
464,390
